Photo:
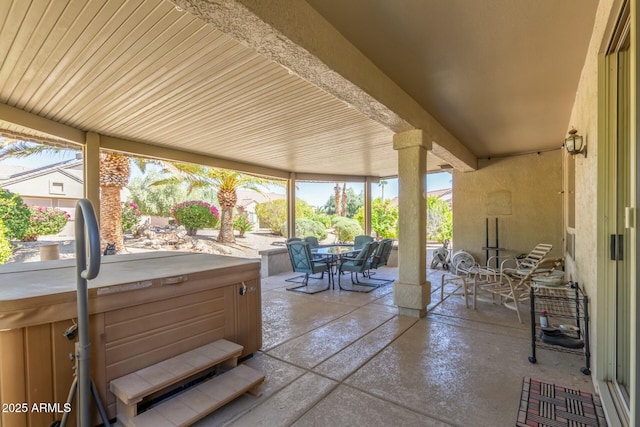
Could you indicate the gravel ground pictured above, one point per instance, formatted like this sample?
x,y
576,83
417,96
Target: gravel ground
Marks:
x,y
205,241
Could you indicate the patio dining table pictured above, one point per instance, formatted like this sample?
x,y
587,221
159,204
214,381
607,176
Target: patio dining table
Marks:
x,y
332,254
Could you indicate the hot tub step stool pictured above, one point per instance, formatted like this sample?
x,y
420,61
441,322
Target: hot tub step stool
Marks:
x,y
185,407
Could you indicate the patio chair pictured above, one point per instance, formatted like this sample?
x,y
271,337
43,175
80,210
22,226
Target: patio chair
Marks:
x,y
464,274
312,241
379,258
357,265
513,286
359,241
303,262
529,261
330,260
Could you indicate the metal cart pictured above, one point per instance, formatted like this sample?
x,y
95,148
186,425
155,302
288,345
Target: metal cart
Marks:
x,y
566,308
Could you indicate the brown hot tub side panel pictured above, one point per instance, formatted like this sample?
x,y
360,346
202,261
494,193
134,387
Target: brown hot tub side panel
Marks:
x,y
133,325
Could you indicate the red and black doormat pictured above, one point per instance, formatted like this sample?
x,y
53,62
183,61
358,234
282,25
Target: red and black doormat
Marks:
x,y
549,405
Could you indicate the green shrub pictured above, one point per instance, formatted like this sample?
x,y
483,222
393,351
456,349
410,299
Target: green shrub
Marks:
x,y
14,213
241,224
195,214
303,209
273,214
346,229
306,227
439,220
44,221
384,218
6,251
130,216
322,218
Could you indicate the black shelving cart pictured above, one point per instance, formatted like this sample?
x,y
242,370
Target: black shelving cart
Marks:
x,y
567,311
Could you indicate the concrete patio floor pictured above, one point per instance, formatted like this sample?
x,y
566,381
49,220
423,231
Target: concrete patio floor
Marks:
x,y
339,358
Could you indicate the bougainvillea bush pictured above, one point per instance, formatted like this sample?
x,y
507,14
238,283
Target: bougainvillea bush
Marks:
x,y
130,216
195,214
44,221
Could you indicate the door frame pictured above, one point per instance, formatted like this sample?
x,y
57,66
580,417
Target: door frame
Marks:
x,y
606,209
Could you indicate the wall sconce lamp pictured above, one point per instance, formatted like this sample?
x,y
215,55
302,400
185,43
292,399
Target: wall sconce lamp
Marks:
x,y
574,144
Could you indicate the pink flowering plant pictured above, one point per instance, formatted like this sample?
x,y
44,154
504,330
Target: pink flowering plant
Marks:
x,y
195,214
44,221
130,215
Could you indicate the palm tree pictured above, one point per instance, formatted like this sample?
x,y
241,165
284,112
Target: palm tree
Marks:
x,y
381,184
114,175
337,197
225,182
343,211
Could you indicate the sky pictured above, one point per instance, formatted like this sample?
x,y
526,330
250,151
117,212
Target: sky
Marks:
x,y
318,193
314,193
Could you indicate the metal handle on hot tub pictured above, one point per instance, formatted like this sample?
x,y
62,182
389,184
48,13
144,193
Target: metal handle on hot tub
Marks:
x,y
86,215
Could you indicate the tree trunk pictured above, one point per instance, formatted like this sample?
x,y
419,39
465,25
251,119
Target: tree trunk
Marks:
x,y
226,225
111,218
337,198
227,199
343,212
114,175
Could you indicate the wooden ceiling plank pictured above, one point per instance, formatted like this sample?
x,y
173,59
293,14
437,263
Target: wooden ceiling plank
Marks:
x,y
14,37
79,51
181,102
140,83
120,67
111,43
188,87
46,38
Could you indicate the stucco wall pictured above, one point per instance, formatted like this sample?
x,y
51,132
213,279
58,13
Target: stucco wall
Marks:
x,y
523,192
584,117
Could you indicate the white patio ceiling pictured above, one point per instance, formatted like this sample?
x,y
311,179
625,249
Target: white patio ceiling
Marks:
x,y
143,71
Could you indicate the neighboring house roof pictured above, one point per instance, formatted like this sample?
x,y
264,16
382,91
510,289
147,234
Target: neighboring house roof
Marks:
x,y
65,168
7,170
62,180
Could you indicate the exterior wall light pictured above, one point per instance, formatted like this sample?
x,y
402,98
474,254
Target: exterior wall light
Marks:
x,y
575,144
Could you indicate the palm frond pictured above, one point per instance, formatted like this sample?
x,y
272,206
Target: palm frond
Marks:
x,y
26,149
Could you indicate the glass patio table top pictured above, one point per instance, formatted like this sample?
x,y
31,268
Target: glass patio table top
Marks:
x,y
335,250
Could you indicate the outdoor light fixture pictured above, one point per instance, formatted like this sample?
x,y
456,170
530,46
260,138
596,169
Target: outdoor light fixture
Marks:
x,y
575,144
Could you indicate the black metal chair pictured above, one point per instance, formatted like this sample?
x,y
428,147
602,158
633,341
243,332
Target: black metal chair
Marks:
x,y
379,258
303,262
358,265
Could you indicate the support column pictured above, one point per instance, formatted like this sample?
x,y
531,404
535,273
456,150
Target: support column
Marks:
x,y
91,160
412,291
367,205
291,205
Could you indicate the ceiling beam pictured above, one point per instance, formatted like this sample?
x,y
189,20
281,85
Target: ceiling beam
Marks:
x,y
41,125
171,154
294,35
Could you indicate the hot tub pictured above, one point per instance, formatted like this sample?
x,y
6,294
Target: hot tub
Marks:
x,y
143,308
